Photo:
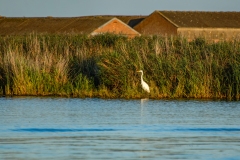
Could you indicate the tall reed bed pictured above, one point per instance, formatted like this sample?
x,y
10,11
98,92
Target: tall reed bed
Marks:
x,y
105,66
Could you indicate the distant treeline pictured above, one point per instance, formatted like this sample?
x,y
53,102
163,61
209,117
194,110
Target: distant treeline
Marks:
x,y
105,66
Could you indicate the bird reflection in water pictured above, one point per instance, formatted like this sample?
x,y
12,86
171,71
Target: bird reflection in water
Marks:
x,y
143,103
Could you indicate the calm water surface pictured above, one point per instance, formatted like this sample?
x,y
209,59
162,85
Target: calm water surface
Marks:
x,y
59,128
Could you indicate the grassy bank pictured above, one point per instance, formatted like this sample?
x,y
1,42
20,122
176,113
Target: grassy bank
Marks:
x,y
105,66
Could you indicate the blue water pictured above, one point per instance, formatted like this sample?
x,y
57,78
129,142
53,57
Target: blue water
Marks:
x,y
72,128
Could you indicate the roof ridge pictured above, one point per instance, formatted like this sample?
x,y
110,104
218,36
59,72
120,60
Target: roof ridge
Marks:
x,y
197,11
120,22
159,12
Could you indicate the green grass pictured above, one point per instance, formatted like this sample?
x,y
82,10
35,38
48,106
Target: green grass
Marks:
x,y
105,66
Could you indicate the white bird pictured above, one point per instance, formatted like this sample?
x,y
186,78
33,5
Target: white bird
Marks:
x,y
144,84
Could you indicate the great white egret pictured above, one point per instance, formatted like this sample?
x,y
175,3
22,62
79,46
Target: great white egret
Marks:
x,y
144,84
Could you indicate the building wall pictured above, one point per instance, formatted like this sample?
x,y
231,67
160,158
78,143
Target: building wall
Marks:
x,y
117,27
156,24
214,34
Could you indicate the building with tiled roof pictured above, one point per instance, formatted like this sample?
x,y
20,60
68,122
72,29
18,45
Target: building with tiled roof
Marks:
x,y
191,24
90,25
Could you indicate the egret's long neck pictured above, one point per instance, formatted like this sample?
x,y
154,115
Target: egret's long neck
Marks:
x,y
141,77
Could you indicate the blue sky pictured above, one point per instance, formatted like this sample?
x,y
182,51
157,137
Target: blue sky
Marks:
x,y
73,8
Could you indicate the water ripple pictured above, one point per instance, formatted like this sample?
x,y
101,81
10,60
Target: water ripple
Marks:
x,y
127,129
209,129
61,130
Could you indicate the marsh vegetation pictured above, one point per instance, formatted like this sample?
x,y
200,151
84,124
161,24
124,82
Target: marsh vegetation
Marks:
x,y
105,66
